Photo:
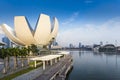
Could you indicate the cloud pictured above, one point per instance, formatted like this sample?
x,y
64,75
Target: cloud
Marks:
x,y
90,33
71,18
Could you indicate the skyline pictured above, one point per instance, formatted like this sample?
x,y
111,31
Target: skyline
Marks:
x,y
85,21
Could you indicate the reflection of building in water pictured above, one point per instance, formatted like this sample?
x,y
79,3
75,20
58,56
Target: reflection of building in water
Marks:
x,y
115,60
106,59
80,53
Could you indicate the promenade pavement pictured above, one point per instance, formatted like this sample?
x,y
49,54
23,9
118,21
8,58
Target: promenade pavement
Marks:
x,y
30,75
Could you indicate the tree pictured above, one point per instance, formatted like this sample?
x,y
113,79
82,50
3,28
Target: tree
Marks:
x,y
23,54
8,53
3,55
34,49
28,53
15,53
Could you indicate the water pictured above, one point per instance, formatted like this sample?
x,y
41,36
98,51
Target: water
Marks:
x,y
95,66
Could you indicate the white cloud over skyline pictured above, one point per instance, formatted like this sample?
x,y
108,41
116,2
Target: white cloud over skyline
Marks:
x,y
89,34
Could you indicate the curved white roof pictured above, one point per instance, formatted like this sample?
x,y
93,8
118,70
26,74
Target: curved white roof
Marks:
x,y
24,35
43,29
23,31
11,34
54,31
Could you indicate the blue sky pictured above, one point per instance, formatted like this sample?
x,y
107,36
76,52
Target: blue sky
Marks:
x,y
72,15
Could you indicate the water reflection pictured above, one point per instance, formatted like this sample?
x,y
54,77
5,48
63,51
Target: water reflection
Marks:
x,y
80,53
95,66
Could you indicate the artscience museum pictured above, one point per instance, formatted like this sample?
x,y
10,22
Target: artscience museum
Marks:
x,y
22,34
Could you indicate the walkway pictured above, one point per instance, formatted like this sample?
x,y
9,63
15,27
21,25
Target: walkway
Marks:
x,y
40,74
55,70
30,75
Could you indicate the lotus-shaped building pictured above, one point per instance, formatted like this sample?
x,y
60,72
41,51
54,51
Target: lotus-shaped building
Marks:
x,y
23,34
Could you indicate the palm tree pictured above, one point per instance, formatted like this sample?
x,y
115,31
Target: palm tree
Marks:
x,y
3,55
15,53
8,53
28,53
23,54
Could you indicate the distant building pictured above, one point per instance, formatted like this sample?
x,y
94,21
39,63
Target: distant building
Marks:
x,y
2,44
118,49
79,45
7,41
108,48
55,43
96,48
101,43
71,46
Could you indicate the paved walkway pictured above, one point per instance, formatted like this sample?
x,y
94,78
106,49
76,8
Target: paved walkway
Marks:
x,y
54,70
40,74
30,75
34,73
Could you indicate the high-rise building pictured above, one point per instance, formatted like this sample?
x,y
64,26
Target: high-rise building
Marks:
x,y
79,45
55,43
101,43
7,41
71,46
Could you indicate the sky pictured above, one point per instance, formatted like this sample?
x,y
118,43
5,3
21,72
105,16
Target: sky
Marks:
x,y
85,21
